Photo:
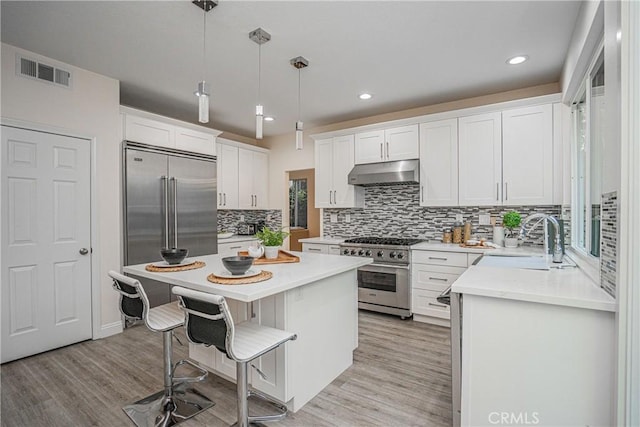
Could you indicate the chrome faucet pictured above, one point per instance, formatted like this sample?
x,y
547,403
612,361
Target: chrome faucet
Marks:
x,y
557,247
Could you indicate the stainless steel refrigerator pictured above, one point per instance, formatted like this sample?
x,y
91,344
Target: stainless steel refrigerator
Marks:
x,y
169,201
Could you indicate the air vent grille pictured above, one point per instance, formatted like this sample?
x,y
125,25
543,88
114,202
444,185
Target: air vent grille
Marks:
x,y
27,67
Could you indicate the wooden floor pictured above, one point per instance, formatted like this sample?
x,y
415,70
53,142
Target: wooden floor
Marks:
x,y
401,376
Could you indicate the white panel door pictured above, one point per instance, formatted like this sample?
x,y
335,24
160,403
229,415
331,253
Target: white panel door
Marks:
x,y
370,147
227,177
147,131
480,160
401,143
195,141
439,163
323,150
260,180
343,162
46,273
245,179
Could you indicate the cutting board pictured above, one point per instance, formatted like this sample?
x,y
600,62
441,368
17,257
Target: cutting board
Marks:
x,y
283,257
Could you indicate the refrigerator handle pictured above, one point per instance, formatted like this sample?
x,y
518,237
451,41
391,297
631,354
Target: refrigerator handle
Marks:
x,y
175,211
165,189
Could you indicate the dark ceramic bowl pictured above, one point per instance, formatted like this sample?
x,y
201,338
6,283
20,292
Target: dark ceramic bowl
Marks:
x,y
174,255
237,265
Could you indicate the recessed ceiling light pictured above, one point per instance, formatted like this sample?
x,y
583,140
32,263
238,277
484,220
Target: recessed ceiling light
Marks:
x,y
517,59
365,96
269,119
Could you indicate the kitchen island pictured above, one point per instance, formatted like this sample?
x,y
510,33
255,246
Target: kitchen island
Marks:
x,y
316,298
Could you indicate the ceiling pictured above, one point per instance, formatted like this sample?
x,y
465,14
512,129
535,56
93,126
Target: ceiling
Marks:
x,y
407,54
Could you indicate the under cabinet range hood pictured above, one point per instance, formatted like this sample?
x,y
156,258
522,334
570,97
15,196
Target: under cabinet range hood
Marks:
x,y
386,173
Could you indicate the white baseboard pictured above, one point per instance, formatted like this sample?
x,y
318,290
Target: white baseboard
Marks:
x,y
432,320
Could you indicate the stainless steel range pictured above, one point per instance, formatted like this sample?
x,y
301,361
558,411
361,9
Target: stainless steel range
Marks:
x,y
385,284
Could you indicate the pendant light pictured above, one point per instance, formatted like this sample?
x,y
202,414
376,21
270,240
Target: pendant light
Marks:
x,y
259,36
299,62
203,88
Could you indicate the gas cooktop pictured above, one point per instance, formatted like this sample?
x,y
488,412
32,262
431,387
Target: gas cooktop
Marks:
x,y
388,241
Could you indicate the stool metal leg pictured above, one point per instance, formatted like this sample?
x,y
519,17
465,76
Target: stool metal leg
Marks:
x,y
173,404
243,393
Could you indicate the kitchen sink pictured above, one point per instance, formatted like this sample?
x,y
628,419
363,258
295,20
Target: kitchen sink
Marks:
x,y
524,262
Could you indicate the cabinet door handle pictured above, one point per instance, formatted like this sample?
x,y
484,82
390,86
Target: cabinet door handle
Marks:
x,y
422,193
225,198
314,250
439,278
335,202
506,192
329,196
235,247
256,200
438,258
387,150
438,305
497,191
219,199
381,154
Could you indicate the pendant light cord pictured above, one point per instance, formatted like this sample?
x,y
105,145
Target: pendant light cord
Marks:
x,y
299,96
259,70
204,44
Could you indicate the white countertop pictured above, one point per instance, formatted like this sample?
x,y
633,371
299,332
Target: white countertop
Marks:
x,y
312,267
567,287
454,247
322,240
237,238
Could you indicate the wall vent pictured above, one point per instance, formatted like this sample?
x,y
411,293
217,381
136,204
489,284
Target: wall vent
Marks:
x,y
32,69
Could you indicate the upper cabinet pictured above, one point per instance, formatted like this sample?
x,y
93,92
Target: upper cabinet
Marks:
x,y
227,176
334,159
253,180
480,160
400,143
147,128
439,163
507,158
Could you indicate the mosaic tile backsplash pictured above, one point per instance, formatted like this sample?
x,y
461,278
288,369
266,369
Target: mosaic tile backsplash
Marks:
x,y
608,242
394,210
228,220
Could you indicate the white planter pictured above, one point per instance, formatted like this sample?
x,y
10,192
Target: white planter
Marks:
x,y
511,242
271,252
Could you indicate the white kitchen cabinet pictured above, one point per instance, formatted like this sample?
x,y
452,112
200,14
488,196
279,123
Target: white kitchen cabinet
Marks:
x,y
334,159
232,248
432,272
399,143
252,179
321,248
147,128
439,163
506,158
480,160
527,156
227,176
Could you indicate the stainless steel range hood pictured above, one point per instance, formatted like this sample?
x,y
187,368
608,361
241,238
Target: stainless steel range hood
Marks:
x,y
386,173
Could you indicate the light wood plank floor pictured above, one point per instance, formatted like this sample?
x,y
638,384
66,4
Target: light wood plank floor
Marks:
x,y
401,376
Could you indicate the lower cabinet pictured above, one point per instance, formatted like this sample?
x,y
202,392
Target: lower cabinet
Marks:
x,y
321,248
432,272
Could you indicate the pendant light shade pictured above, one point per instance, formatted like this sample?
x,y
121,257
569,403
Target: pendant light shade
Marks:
x,y
203,88
259,36
299,63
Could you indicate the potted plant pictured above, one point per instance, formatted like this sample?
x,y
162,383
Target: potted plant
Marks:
x,y
510,221
272,240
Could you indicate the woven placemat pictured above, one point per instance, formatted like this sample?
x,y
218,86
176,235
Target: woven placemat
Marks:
x,y
264,275
193,266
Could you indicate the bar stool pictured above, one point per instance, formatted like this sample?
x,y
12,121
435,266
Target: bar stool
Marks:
x,y
209,322
176,402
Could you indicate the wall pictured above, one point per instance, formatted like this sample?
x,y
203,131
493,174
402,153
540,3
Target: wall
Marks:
x,y
284,157
228,220
90,107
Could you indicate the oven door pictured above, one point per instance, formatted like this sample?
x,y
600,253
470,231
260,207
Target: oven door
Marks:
x,y
385,285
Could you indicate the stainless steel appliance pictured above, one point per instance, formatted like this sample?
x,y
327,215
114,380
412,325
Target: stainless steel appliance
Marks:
x,y
384,285
386,173
169,201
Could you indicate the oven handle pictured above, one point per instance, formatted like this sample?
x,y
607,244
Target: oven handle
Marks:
x,y
372,267
445,297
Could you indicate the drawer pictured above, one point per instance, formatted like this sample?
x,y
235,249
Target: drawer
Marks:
x,y
453,259
317,248
424,302
231,249
435,278
334,250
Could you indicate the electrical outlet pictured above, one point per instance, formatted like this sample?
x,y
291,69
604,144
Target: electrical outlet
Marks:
x,y
242,218
334,217
458,217
484,219
347,217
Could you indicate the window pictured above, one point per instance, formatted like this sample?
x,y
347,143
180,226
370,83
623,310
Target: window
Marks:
x,y
298,203
588,132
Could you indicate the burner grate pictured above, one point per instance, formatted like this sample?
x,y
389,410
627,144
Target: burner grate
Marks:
x,y
390,241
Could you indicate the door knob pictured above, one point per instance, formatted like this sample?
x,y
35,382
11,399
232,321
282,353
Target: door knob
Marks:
x,y
84,251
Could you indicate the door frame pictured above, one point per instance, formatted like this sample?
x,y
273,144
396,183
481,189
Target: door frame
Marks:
x,y
96,291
